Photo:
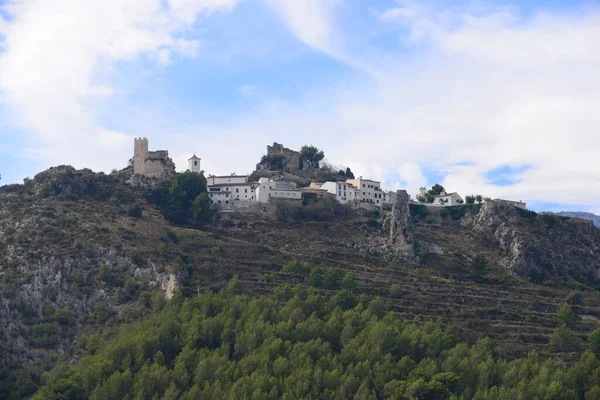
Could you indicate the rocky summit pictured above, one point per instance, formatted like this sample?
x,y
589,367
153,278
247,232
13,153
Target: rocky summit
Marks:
x,y
83,254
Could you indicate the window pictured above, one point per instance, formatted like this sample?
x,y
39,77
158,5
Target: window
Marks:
x,y
227,202
245,190
237,190
339,193
226,195
195,163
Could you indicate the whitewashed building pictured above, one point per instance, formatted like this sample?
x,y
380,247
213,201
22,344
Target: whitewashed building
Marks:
x,y
448,199
369,191
276,188
224,190
344,192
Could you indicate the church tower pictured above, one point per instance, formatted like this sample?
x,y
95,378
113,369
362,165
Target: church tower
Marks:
x,y
194,164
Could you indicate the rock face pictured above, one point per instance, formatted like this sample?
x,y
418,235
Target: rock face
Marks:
x,y
540,246
401,235
70,259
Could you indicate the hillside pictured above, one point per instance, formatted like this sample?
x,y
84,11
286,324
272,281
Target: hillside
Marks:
x,y
76,257
582,215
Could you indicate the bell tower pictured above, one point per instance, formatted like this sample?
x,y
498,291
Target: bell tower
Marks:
x,y
194,164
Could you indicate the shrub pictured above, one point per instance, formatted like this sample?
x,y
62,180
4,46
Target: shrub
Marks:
x,y
216,250
62,316
268,278
418,211
135,211
396,291
296,267
574,298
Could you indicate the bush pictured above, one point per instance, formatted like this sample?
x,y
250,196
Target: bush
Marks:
x,y
268,278
216,250
418,211
296,267
135,211
62,316
574,298
396,291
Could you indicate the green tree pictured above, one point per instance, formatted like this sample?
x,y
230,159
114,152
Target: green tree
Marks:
x,y
201,212
428,196
315,279
594,340
566,315
479,265
564,340
350,282
349,173
312,155
331,279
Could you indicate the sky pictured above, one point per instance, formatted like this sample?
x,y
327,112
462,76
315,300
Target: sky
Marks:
x,y
494,97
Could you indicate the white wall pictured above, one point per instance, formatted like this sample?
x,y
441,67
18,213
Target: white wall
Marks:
x,y
219,180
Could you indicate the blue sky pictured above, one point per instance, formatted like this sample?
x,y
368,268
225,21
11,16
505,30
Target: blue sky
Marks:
x,y
492,97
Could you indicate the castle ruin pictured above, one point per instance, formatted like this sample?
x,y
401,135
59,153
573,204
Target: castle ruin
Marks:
x,y
152,164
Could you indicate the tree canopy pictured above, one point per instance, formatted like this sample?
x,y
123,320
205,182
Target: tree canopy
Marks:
x,y
312,155
428,196
180,200
299,344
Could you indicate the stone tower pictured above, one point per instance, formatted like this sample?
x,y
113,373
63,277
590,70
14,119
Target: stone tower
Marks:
x,y
152,164
140,154
194,164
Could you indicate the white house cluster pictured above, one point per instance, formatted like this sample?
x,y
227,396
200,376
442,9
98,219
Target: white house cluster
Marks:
x,y
233,192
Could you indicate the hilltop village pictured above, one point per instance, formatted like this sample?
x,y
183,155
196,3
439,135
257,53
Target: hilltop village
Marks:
x,y
283,174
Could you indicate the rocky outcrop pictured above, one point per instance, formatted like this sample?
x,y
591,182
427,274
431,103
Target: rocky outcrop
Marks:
x,y
401,235
540,246
284,159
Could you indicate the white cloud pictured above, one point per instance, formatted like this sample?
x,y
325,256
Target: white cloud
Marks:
x,y
478,88
54,50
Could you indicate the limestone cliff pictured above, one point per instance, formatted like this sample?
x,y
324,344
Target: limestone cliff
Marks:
x,y
540,246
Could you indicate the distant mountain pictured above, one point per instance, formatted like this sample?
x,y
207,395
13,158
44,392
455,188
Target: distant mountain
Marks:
x,y
583,215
